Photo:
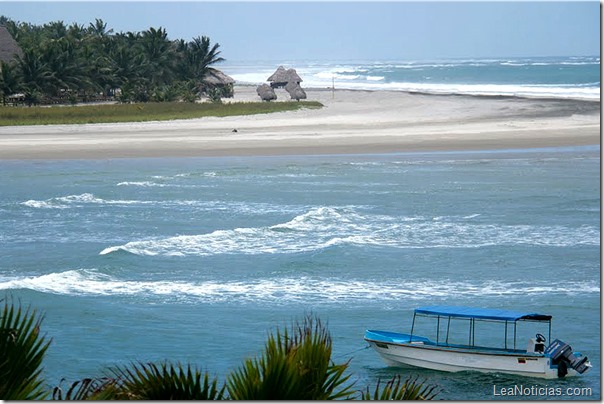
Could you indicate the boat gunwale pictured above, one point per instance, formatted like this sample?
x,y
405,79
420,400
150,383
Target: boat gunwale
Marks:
x,y
463,349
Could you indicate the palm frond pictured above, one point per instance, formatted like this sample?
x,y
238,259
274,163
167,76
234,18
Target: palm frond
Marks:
x,y
22,350
410,389
295,365
87,389
165,381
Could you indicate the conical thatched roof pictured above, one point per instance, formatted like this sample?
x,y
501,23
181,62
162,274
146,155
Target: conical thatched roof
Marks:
x,y
266,92
9,49
295,91
216,77
284,76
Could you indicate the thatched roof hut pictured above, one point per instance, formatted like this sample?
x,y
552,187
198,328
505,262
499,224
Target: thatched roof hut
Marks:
x,y
217,79
295,91
266,92
282,76
9,49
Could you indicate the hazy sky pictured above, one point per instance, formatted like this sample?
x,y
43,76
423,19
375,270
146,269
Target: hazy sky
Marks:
x,y
348,30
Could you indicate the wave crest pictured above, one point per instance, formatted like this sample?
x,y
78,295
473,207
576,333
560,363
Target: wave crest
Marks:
x,y
325,227
325,290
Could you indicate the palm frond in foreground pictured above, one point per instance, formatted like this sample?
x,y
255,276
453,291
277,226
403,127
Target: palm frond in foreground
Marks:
x,y
295,365
22,350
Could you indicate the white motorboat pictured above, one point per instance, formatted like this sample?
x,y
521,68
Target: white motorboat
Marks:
x,y
446,352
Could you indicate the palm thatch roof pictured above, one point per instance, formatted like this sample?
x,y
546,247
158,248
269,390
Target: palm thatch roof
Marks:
x,y
282,75
266,92
295,91
216,77
9,49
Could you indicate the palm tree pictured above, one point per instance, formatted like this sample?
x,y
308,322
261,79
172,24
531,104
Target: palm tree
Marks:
x,y
99,28
22,349
141,381
69,70
34,75
127,65
159,53
9,82
55,30
75,59
295,365
197,57
76,31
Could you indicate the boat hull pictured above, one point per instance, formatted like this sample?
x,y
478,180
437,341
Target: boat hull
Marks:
x,y
400,350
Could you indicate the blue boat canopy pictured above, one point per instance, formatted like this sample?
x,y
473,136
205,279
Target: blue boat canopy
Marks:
x,y
479,313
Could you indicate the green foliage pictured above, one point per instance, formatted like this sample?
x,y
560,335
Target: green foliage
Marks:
x,y
163,382
87,389
188,91
410,389
92,62
22,350
215,95
9,82
133,112
295,365
164,94
32,97
140,381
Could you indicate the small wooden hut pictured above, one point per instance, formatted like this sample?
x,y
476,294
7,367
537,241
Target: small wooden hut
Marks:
x,y
282,76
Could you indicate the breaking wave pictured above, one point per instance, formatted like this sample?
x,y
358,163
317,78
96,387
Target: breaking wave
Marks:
x,y
141,184
88,199
300,289
325,227
540,77
64,202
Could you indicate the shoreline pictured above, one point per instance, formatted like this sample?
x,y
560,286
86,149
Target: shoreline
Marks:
x,y
351,122
443,94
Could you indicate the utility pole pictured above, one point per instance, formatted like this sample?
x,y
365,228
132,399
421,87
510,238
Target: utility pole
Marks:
x,y
333,87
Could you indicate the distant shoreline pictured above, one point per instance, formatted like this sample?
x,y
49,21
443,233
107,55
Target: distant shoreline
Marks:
x,y
437,94
351,122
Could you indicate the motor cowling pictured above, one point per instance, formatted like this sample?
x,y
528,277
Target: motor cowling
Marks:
x,y
561,352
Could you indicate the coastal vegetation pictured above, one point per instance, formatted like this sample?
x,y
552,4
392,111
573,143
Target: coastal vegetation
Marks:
x,y
295,364
57,63
139,112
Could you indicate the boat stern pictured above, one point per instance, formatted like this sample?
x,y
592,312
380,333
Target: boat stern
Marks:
x,y
566,360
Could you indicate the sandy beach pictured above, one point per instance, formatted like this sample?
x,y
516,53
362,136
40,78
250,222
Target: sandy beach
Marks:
x,y
350,122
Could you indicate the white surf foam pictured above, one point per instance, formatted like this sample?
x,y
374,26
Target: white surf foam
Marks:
x,y
64,202
141,184
43,204
287,290
355,77
325,227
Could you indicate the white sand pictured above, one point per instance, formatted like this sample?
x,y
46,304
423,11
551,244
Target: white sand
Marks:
x,y
350,122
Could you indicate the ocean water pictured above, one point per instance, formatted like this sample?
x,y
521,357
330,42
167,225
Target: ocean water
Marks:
x,y
198,259
560,77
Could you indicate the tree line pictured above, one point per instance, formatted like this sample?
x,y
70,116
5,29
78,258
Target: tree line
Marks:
x,y
75,63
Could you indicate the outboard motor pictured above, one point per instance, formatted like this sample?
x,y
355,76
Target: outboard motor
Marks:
x,y
562,355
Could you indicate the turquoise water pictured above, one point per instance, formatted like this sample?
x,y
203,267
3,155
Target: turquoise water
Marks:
x,y
198,259
558,77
